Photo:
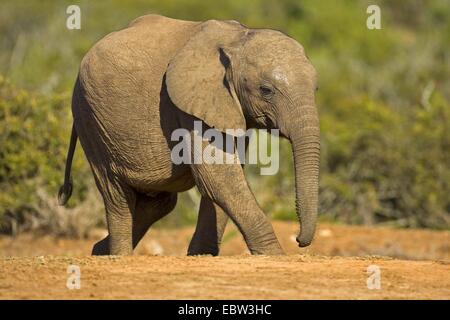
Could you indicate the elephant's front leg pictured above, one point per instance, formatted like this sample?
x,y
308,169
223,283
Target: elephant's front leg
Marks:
x,y
225,185
211,224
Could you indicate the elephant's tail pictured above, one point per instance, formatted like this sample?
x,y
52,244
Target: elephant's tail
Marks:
x,y
66,189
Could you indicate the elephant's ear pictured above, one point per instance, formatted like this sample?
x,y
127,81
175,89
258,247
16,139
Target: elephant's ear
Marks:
x,y
196,77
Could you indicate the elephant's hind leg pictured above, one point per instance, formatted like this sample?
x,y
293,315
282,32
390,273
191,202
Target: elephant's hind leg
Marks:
x,y
120,202
211,224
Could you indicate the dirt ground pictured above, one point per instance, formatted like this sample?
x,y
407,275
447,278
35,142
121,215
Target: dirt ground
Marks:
x,y
413,264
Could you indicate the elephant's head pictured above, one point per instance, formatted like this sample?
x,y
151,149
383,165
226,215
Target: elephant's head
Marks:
x,y
234,77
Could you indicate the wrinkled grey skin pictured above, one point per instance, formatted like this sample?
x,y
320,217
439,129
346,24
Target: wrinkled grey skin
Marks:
x,y
137,85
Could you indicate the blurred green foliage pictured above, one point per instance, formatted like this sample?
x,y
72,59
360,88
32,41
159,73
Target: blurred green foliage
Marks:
x,y
383,102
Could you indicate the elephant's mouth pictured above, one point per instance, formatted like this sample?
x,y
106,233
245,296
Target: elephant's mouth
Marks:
x,y
265,121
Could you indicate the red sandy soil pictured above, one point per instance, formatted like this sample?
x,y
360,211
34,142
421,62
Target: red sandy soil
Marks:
x,y
413,264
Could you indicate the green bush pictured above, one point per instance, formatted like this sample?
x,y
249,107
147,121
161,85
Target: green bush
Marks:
x,y
34,132
382,167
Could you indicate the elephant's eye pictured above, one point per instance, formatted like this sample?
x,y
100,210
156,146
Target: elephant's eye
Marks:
x,y
266,92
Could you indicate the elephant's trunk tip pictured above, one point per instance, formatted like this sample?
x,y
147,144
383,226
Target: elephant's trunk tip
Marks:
x,y
304,241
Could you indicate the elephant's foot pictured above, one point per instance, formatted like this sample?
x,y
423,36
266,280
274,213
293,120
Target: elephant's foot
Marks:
x,y
197,248
270,251
269,247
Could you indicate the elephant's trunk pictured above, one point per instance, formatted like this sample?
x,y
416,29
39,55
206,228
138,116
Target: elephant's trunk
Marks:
x,y
304,133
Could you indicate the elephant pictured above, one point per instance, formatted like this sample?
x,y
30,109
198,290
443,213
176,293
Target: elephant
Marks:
x,y
139,84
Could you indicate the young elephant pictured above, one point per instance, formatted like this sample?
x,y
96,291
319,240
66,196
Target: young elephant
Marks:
x,y
139,84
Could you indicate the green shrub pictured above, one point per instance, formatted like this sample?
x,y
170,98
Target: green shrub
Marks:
x,y
34,133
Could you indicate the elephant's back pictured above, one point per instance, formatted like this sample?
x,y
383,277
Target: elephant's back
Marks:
x,y
121,78
130,60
